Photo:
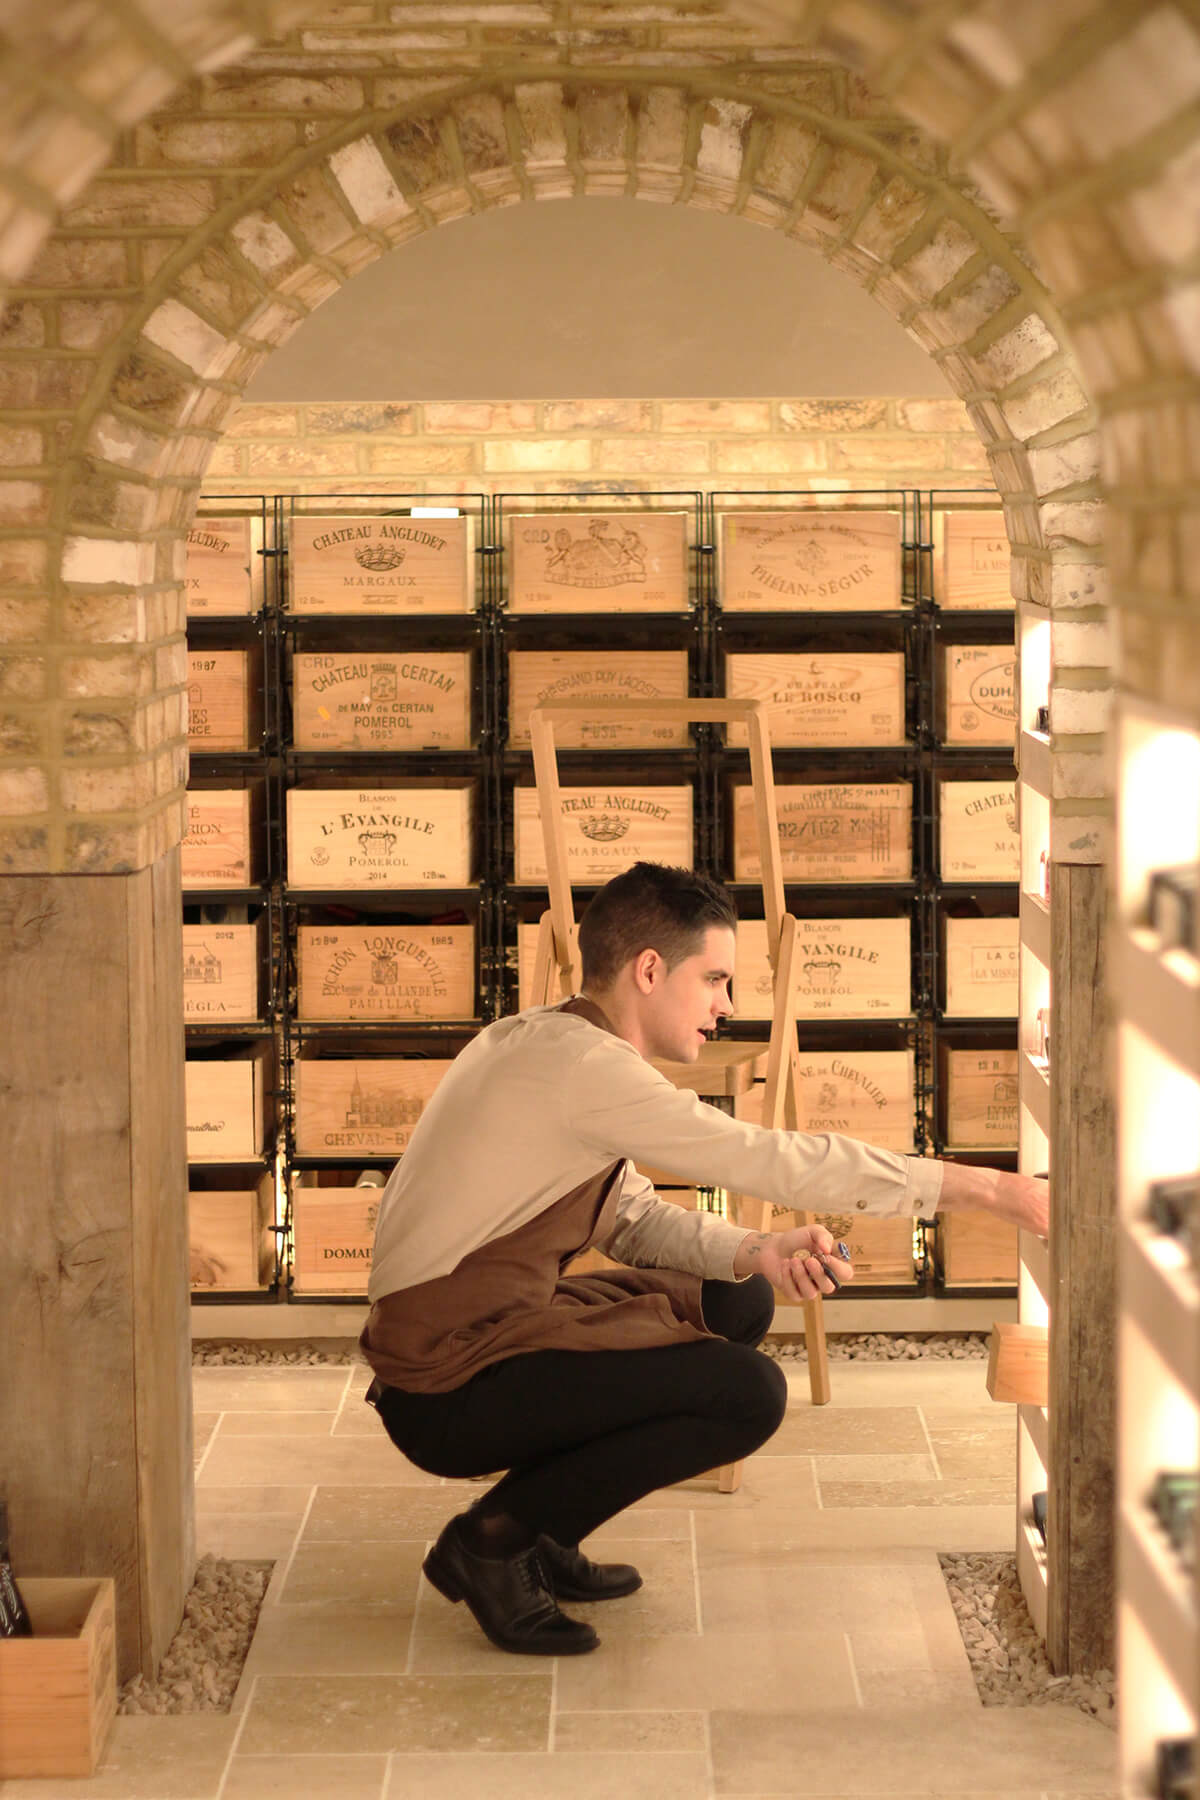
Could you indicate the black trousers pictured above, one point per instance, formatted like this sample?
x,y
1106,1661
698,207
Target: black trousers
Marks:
x,y
583,1434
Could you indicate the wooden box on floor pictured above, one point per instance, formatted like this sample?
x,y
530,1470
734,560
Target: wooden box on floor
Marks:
x,y
346,1106
355,563
333,1232
971,559
229,1104
225,699
978,695
607,828
845,832
223,577
978,835
845,969
973,1249
221,973
361,972
865,1094
380,700
221,844
981,1099
809,560
410,837
843,700
58,1688
230,1235
982,957
537,677
577,562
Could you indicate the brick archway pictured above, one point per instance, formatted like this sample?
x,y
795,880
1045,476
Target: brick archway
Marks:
x,y
153,383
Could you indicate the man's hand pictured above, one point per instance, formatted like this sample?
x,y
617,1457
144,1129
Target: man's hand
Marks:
x,y
1020,1199
792,1261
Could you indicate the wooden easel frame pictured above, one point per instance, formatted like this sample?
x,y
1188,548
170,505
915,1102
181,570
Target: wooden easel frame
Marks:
x,y
557,969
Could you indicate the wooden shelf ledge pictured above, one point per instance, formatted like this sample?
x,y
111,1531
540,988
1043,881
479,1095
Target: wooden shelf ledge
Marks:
x,y
1019,1364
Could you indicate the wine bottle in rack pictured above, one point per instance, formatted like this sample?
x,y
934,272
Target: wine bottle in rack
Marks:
x,y
1175,1768
1173,1207
1173,1502
1175,907
14,1615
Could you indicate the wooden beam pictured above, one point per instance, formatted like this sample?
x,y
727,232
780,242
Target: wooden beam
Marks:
x,y
1080,1632
95,1381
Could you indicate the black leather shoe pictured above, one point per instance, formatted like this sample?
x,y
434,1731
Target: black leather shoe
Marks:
x,y
573,1577
509,1596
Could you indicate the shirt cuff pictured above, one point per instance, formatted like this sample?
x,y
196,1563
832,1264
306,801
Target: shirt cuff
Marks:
x,y
923,1189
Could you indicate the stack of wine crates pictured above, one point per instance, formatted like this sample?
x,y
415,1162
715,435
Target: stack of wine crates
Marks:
x,y
364,830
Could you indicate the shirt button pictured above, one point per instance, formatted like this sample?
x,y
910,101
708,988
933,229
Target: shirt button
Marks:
x,y
861,1205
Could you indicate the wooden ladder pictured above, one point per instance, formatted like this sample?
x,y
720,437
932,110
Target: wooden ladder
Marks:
x,y
557,972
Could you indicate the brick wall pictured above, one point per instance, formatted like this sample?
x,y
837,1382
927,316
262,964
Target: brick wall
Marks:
x,y
546,445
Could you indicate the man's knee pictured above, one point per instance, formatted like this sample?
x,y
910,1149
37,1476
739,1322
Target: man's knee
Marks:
x,y
742,1311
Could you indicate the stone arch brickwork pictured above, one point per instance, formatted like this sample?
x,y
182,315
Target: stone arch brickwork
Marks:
x,y
234,250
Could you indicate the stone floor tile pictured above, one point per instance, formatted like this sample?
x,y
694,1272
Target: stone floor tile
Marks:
x,y
664,1604
268,1389
242,1537
966,1455
573,1775
343,1777
147,1759
331,1640
932,1494
918,1687
718,1669
282,1424
203,1426
352,1573
928,1382
641,1731
212,1498
342,1462
886,1470
914,1749
637,1523
300,1715
847,1431
802,1589
384,1515
771,1526
789,1479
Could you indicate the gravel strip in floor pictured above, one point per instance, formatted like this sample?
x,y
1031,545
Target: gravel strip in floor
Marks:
x,y
1008,1659
204,1662
859,1346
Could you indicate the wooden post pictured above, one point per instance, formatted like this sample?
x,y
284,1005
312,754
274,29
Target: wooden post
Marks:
x,y
95,1377
1082,1379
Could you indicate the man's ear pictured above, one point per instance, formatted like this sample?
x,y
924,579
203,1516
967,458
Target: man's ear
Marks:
x,y
648,970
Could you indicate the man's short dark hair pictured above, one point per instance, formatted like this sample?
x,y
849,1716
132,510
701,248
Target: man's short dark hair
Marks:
x,y
649,907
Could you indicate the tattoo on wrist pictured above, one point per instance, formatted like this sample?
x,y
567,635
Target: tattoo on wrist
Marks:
x,y
755,1244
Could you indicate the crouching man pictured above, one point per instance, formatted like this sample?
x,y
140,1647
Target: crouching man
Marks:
x,y
591,1391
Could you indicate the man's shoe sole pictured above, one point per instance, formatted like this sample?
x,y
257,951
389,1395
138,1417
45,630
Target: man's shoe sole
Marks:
x,y
448,1586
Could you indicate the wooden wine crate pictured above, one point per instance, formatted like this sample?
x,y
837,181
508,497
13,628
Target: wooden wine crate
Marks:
x,y
809,560
979,837
349,563
221,973
413,837
230,1237
370,1104
847,969
843,832
382,700
607,829
865,1094
222,842
223,577
362,972
978,698
982,957
229,1107
224,699
536,677
881,1250
971,560
981,1099
333,1232
58,1688
577,562
838,700
975,1249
